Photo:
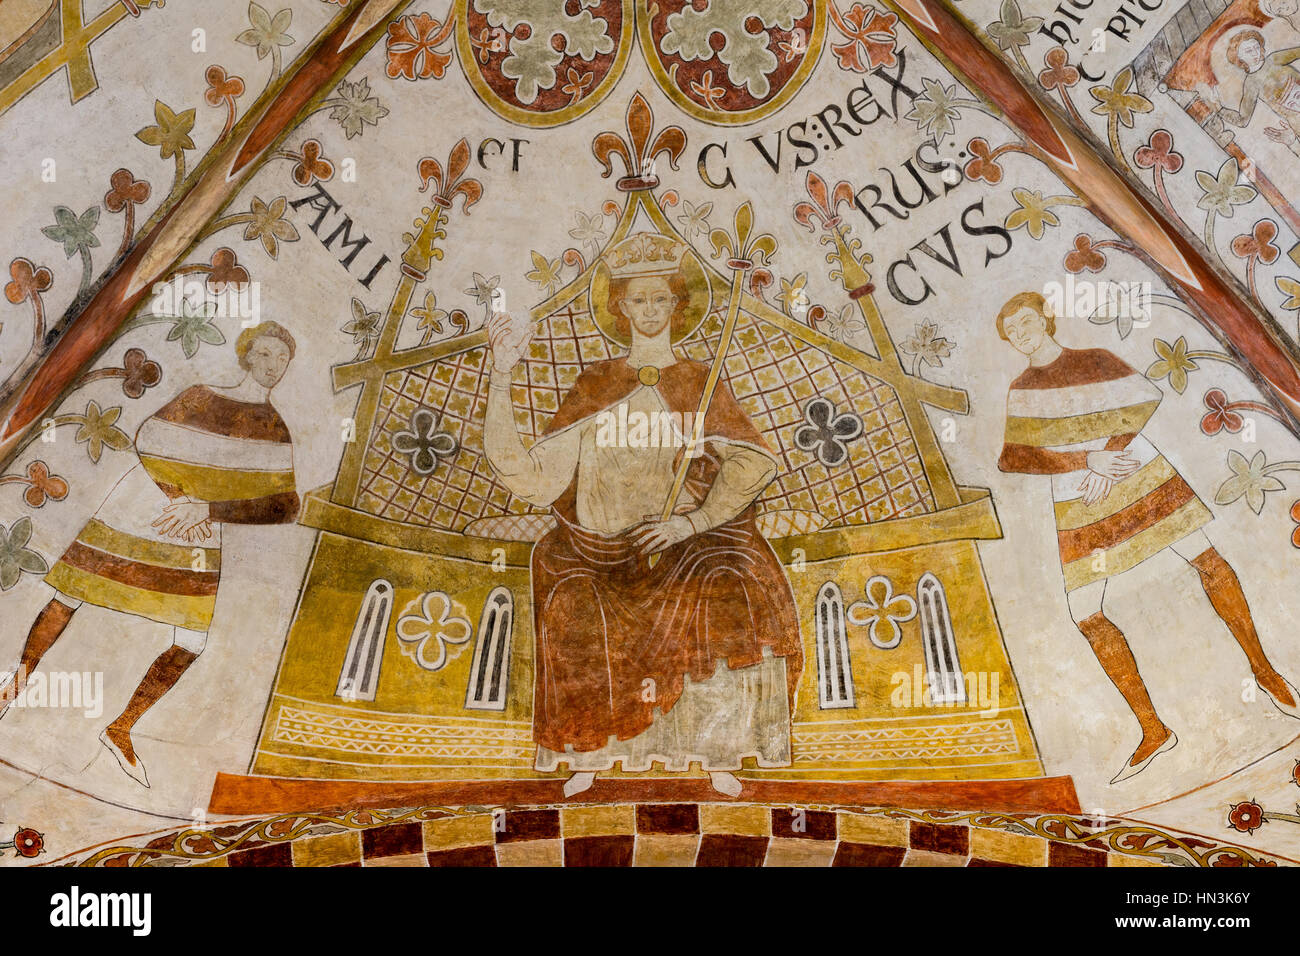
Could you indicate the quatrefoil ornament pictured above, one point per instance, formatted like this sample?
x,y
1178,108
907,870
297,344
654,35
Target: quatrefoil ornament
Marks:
x,y
882,611
826,434
424,443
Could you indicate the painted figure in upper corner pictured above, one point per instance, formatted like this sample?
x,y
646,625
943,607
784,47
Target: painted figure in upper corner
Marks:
x,y
697,658
209,456
1271,79
1078,415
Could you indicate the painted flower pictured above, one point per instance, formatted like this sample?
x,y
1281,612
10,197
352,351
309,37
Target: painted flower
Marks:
x,y
15,556
1246,817
1059,72
1173,362
28,843
793,296
221,86
1033,213
589,229
1295,771
1290,288
706,92
825,433
1250,479
43,486
99,428
1220,417
429,317
424,443
1258,243
193,326
1084,258
270,225
141,371
545,273
312,165
357,107
125,188
1159,151
485,289
845,325
578,84
363,327
1221,193
170,133
266,33
871,34
1013,30
489,40
1115,101
695,219
225,270
1295,542
75,232
411,49
26,279
927,345
933,111
982,165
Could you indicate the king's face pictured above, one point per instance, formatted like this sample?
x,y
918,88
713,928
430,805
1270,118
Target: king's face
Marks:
x,y
649,303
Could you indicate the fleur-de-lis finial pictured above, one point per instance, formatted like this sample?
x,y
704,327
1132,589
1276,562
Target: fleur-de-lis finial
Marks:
x,y
743,249
639,150
845,249
451,183
825,203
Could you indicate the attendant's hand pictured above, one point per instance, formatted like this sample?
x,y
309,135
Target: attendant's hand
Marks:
x,y
509,337
1280,134
180,519
1112,464
1095,488
200,532
656,535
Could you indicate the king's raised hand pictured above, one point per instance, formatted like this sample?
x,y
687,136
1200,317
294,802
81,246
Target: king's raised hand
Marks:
x,y
509,337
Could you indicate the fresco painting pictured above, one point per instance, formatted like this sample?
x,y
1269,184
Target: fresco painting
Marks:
x,y
515,432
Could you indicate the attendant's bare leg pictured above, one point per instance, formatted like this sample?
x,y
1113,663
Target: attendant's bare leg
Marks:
x,y
1116,658
162,675
1223,588
45,630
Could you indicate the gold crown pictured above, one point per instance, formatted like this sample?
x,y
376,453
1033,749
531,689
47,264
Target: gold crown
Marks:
x,y
645,254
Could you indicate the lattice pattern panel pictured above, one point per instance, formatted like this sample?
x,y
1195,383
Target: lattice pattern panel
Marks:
x,y
772,374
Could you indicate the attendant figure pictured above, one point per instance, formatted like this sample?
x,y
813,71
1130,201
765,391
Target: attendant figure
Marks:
x,y
211,455
1077,415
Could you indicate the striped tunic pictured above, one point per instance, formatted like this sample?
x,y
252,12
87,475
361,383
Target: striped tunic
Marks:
x,y
201,446
1087,400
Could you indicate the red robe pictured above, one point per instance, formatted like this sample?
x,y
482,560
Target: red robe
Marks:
x,y
605,621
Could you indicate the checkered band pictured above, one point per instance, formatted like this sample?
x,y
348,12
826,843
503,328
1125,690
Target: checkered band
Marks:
x,y
772,373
